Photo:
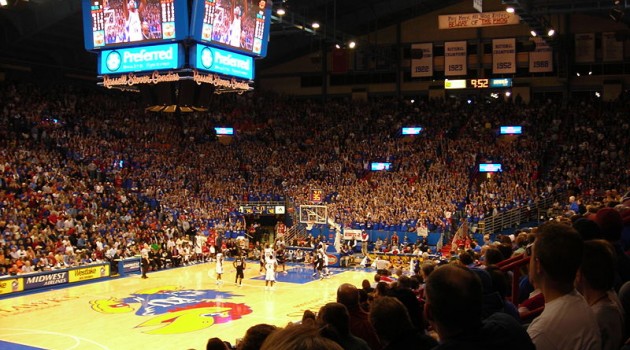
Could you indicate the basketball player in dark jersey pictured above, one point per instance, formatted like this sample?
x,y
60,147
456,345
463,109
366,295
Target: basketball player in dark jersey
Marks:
x,y
239,265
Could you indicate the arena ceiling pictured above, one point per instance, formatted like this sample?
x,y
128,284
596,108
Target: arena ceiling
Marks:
x,y
48,33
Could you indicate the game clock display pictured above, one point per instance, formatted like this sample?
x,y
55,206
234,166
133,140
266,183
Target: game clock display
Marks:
x,y
242,27
481,83
118,23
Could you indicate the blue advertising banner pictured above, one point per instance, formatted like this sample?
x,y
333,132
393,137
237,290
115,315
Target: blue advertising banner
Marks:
x,y
140,59
45,279
220,61
129,265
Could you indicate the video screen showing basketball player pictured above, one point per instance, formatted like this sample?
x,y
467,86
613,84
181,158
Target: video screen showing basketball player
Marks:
x,y
134,20
234,22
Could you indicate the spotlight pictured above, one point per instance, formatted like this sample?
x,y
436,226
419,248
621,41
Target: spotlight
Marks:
x,y
509,10
281,12
578,74
3,3
533,33
597,94
352,44
315,25
551,32
337,46
590,73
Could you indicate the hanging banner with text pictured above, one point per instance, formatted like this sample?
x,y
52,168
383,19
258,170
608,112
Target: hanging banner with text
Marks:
x,y
504,56
477,20
541,59
585,48
478,5
455,58
422,66
612,49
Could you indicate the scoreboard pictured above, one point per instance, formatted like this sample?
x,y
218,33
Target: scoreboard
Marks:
x,y
119,23
481,83
243,28
139,38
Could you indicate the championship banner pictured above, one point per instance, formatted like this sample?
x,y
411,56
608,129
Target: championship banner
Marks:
x,y
477,20
422,67
455,58
585,48
89,273
340,63
541,59
504,56
478,5
612,49
11,285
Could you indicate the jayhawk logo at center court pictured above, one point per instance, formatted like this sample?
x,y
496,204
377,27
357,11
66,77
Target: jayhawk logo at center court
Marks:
x,y
175,310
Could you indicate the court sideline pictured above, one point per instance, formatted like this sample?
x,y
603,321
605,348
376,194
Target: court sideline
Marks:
x,y
173,309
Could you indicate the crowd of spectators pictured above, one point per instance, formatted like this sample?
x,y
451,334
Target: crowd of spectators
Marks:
x,y
83,166
87,175
580,275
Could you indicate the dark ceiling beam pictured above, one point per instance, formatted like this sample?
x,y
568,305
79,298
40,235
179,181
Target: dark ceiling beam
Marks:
x,y
34,17
545,7
370,17
296,21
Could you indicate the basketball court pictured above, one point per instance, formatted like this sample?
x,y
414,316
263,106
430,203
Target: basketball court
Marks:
x,y
179,308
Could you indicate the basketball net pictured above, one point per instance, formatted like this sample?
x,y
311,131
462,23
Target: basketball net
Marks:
x,y
309,225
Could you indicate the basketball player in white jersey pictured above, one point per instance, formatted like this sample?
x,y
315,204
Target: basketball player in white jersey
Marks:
x,y
270,272
219,268
133,13
235,28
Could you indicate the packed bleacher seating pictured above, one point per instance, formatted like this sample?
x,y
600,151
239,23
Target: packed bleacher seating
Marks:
x,y
88,175
82,164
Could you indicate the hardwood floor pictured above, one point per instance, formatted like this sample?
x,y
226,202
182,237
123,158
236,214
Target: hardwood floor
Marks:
x,y
173,309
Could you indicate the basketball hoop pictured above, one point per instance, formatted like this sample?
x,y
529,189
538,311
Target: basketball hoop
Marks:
x,y
309,225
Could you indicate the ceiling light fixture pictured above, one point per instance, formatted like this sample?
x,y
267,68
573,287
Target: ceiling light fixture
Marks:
x,y
315,25
281,12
